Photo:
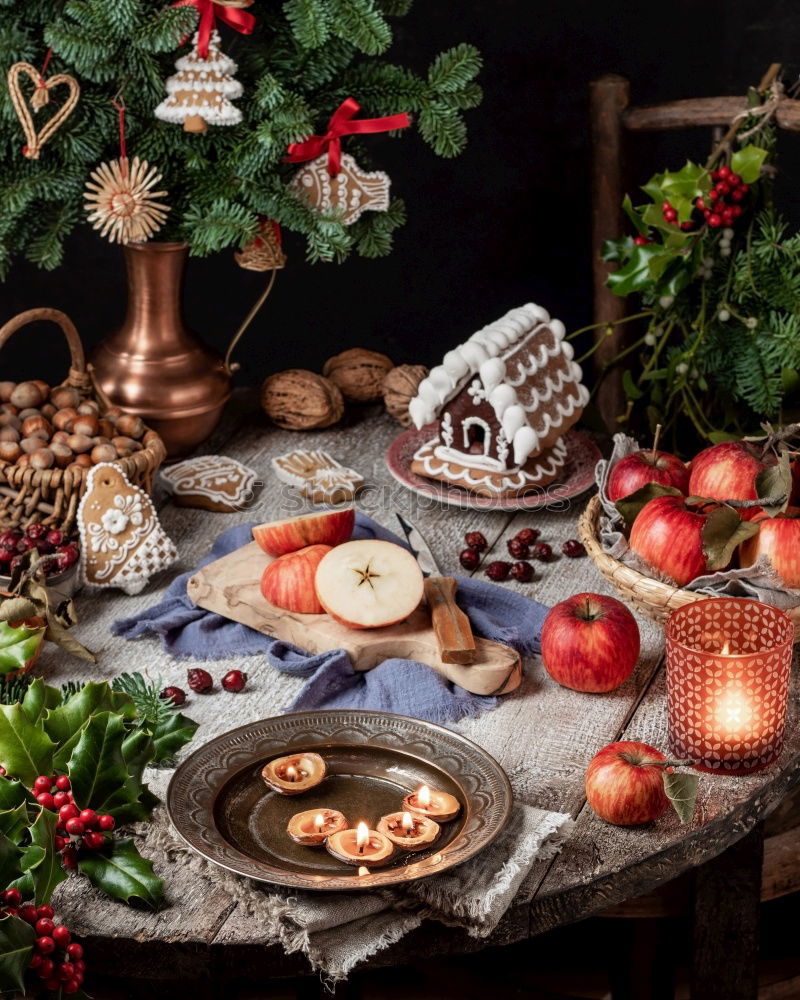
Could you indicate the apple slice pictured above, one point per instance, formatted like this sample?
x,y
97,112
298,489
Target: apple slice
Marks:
x,y
369,584
323,527
288,582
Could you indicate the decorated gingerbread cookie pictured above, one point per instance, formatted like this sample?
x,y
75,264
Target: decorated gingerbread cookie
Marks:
x,y
210,482
122,542
318,476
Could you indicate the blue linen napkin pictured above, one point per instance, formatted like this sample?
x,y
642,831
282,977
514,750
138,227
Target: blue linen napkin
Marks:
x,y
396,685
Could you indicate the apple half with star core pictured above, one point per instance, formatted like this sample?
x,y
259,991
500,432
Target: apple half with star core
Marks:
x,y
642,467
778,541
590,643
288,582
324,527
625,783
727,471
369,584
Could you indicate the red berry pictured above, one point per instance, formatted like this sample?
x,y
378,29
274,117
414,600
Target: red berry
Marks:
x,y
573,548
36,531
518,549
46,799
11,911
61,936
686,226
46,967
543,552
67,971
528,535
498,570
174,694
734,180
724,171
36,961
62,783
722,189
199,680
642,241
700,203
13,897
469,559
53,984
79,963
59,843
744,188
234,681
93,841
28,913
75,951
69,857
45,945
55,537
45,911
737,195
88,817
476,540
522,572
44,926
666,207
736,210
71,987
69,811
105,822
671,215
714,220
707,214
42,784
74,827
61,799
3,771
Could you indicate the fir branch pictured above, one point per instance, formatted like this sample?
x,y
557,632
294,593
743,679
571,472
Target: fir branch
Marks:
x,y
309,20
361,23
454,69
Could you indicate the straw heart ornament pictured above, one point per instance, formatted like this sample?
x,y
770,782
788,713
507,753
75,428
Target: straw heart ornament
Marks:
x,y
22,105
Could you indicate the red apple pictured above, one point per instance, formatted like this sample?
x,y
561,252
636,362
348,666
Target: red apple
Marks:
x,y
778,539
642,467
369,584
668,534
625,783
727,471
590,643
288,582
325,527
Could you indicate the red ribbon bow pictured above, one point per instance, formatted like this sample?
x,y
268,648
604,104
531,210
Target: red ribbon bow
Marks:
x,y
339,125
209,11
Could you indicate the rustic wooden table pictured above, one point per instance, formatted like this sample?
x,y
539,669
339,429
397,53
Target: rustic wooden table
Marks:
x,y
544,737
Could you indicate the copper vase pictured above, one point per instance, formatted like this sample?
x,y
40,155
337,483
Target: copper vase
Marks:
x,y
154,365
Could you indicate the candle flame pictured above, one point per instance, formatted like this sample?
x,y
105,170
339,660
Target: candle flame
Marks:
x,y
726,648
408,822
734,713
291,773
362,836
319,821
424,796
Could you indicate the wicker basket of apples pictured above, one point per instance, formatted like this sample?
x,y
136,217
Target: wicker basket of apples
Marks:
x,y
732,505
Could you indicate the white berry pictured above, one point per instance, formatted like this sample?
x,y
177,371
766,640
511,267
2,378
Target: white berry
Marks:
x,y
650,339
751,322
666,301
682,368
723,315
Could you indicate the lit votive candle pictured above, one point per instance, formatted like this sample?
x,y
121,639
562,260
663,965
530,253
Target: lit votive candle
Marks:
x,y
361,846
425,802
313,826
409,833
728,670
295,774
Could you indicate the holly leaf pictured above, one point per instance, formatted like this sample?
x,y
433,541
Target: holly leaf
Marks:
x,y
16,950
12,793
39,698
97,769
644,265
723,531
39,858
13,821
630,507
65,723
25,750
169,736
775,483
119,870
681,789
9,860
126,804
634,216
747,163
19,646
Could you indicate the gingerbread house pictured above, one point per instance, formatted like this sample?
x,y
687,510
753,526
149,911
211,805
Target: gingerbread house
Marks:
x,y
499,406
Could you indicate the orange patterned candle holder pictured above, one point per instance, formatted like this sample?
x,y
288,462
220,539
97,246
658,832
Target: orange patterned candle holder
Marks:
x,y
728,667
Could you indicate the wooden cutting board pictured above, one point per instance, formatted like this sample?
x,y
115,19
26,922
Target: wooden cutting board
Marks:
x,y
231,587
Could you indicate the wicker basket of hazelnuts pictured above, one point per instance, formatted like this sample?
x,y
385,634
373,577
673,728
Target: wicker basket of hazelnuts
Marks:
x,y
51,437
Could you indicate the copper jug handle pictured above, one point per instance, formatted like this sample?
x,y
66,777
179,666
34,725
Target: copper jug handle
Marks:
x,y
231,368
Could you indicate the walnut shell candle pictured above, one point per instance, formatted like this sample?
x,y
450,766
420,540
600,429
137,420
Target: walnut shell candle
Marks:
x,y
313,826
437,805
361,846
294,774
409,833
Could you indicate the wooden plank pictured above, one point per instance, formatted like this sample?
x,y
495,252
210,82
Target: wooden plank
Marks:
x,y
701,111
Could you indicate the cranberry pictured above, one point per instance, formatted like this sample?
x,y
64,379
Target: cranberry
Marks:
x,y
199,680
522,572
498,570
36,531
44,926
174,694
105,822
46,799
517,549
234,681
10,538
45,945
42,784
13,897
68,554
476,540
93,841
55,537
543,552
528,536
573,548
469,559
62,783
75,951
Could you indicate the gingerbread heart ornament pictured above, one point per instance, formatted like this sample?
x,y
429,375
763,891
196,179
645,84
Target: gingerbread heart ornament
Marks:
x,y
122,542
22,106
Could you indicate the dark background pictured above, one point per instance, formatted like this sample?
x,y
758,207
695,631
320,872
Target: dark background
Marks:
x,y
505,223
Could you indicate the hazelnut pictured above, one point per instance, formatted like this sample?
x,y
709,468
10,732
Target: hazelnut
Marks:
x,y
6,388
85,423
38,426
65,397
130,426
60,437
65,418
84,461
23,461
358,373
43,458
104,453
27,394
99,440
106,429
30,444
61,453
10,420
49,411
294,774
122,443
9,434
79,443
10,451
44,388
89,408
113,413
29,411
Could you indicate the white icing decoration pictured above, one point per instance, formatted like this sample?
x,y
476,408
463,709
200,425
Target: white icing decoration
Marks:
x,y
474,354
513,419
558,328
427,391
217,478
468,422
455,365
501,397
477,393
316,473
439,461
447,429
502,447
441,381
492,373
421,412
525,440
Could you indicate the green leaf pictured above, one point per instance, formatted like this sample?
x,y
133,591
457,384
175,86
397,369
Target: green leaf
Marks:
x,y
723,531
13,793
16,950
39,858
632,390
689,182
64,724
25,751
775,482
97,769
681,789
39,698
630,507
747,163
452,70
644,264
9,861
14,820
635,216
119,870
19,646
170,736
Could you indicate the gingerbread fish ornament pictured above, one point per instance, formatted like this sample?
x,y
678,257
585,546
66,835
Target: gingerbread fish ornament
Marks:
x,y
122,542
351,192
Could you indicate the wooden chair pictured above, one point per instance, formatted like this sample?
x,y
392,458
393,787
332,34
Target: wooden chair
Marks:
x,y
613,119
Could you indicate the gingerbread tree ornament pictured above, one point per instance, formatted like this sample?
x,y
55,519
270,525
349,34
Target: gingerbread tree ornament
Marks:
x,y
201,91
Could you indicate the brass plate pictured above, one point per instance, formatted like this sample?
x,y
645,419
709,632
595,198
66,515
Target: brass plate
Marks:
x,y
220,806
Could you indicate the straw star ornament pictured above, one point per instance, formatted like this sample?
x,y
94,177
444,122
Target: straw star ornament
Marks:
x,y
121,202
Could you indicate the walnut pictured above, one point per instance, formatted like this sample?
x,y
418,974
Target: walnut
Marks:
x,y
299,400
359,373
399,388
